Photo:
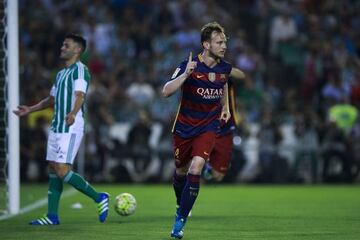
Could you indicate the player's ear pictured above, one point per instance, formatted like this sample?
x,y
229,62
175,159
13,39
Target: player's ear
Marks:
x,y
78,50
206,45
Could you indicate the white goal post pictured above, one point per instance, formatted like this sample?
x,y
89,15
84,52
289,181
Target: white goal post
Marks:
x,y
13,149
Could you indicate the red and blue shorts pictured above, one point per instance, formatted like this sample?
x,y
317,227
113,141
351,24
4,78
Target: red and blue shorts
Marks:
x,y
186,148
221,154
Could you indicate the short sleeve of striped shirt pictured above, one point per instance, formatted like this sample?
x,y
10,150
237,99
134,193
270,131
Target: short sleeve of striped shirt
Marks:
x,y
81,78
53,91
227,66
53,87
179,70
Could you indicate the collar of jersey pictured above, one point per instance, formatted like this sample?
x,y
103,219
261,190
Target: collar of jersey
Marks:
x,y
72,65
201,59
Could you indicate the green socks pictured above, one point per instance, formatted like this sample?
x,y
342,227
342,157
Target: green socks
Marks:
x,y
80,184
56,188
54,193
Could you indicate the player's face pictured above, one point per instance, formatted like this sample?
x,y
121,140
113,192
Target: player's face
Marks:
x,y
69,49
218,45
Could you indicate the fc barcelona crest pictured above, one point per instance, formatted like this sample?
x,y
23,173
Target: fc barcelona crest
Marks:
x,y
212,77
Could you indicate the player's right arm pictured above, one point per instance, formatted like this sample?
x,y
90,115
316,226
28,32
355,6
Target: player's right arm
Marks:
x,y
24,110
173,85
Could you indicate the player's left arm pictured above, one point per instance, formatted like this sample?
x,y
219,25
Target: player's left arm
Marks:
x,y
237,74
81,85
79,100
225,112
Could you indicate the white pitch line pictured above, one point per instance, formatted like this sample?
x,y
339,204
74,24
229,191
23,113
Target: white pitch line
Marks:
x,y
37,204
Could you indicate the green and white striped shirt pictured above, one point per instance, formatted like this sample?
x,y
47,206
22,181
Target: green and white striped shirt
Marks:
x,y
73,78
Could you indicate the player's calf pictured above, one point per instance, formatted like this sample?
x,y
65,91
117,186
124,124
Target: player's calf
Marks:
x,y
177,213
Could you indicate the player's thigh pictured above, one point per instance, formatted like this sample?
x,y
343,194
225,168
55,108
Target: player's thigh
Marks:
x,y
64,148
182,151
203,145
221,155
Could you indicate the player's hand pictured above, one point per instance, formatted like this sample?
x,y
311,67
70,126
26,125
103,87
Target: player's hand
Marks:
x,y
190,66
70,119
225,115
22,110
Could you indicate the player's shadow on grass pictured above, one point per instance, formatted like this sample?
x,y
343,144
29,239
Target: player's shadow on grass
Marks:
x,y
161,219
139,219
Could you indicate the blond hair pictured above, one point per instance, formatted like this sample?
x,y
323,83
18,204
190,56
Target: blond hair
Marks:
x,y
208,29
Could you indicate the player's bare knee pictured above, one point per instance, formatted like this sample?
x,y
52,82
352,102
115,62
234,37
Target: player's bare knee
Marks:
x,y
217,176
61,170
60,173
51,167
197,165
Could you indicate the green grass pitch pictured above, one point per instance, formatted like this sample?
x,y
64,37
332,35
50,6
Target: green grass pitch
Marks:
x,y
221,212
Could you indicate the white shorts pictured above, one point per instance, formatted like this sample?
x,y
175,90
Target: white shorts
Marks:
x,y
63,147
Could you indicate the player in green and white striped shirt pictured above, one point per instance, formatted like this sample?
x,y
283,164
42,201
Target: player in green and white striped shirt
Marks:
x,y
67,95
74,78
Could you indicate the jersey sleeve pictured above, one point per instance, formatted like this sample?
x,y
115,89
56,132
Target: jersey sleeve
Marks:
x,y
53,90
53,87
228,68
179,70
81,79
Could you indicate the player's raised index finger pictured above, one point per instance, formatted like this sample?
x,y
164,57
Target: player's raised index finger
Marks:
x,y
190,57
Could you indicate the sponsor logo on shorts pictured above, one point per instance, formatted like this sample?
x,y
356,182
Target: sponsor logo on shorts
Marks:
x,y
177,151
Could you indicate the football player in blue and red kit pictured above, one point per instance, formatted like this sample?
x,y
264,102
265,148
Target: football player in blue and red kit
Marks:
x,y
220,157
202,81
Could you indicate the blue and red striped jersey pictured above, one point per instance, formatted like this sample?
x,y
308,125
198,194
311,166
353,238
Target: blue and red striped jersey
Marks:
x,y
200,107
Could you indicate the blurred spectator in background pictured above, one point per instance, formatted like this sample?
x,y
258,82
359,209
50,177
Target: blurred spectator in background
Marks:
x,y
343,115
25,150
337,144
138,143
283,29
306,166
38,136
100,119
355,89
270,161
140,92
